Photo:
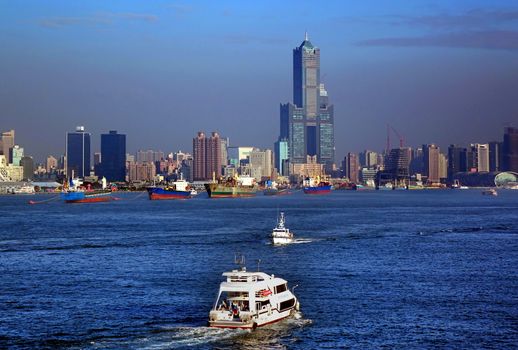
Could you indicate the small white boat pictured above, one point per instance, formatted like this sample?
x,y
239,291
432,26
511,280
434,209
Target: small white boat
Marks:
x,y
490,192
193,192
27,189
281,234
248,300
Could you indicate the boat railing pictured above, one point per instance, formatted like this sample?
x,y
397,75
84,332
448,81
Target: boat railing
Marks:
x,y
241,278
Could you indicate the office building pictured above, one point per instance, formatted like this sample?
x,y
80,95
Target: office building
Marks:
x,y
308,122
15,155
78,153
282,157
495,156
431,163
352,167
52,164
6,143
479,155
457,161
510,149
113,156
28,167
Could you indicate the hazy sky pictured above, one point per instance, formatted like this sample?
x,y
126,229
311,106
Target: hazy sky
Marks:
x,y
159,71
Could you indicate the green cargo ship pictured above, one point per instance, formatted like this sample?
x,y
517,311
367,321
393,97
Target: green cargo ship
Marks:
x,y
240,187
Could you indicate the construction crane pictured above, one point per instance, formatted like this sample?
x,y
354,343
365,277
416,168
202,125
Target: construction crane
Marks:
x,y
401,139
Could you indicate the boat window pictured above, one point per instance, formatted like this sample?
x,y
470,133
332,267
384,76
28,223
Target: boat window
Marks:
x,y
229,300
286,304
281,288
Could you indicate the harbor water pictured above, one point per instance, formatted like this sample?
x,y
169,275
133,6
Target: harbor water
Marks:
x,y
385,269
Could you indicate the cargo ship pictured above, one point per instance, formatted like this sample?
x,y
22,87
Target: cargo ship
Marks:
x,y
73,192
178,190
315,186
242,186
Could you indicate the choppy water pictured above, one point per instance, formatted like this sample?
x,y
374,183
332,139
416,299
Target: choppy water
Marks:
x,y
414,269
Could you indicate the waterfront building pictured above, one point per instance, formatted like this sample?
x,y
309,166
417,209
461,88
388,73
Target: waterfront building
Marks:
x,y
443,167
510,149
417,161
206,157
52,164
479,155
311,168
78,153
15,155
28,167
457,161
9,172
282,156
113,156
368,159
6,143
396,167
351,167
368,176
431,163
260,163
308,122
495,156
145,171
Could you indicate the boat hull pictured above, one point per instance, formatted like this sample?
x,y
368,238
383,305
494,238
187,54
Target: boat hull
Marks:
x,y
252,324
158,193
223,191
82,197
317,189
282,240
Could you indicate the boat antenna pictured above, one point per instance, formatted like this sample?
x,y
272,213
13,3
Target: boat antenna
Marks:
x,y
258,264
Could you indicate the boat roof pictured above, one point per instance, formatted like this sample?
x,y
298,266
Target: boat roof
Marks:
x,y
244,277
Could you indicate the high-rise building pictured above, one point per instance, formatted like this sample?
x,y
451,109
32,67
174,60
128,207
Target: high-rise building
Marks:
x,y
352,167
457,161
480,156
495,156
510,149
113,156
78,153
28,167
431,163
15,155
6,142
282,157
443,167
225,142
206,156
308,122
52,164
397,163
260,164
368,159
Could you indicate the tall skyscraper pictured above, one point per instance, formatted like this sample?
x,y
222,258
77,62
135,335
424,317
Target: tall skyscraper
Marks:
x,y
6,143
206,156
510,149
495,156
368,159
480,156
308,122
78,153
52,164
431,162
282,157
28,167
352,167
457,161
113,156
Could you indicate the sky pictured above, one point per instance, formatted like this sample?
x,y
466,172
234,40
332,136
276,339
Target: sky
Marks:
x,y
160,71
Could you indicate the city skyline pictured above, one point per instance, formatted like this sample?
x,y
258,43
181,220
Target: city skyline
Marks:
x,y
438,73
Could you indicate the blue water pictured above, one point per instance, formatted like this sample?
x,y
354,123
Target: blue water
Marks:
x,y
387,269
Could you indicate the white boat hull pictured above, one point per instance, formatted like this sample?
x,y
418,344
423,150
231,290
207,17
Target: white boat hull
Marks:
x,y
282,240
255,322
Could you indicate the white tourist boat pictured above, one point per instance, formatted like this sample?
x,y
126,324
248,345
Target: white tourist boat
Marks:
x,y
248,300
281,234
27,189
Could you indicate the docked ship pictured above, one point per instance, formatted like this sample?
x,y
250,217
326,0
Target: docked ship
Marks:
x,y
315,186
273,189
242,186
281,234
248,300
180,189
73,192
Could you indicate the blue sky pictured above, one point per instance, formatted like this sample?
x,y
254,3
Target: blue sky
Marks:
x,y
159,71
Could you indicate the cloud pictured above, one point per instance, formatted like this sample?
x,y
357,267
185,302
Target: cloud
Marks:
x,y
495,40
472,19
104,18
